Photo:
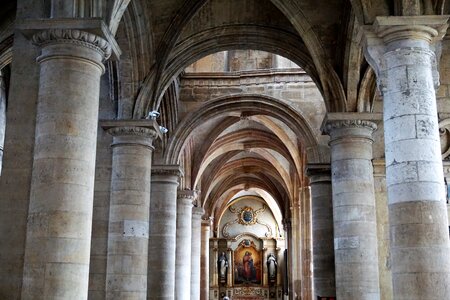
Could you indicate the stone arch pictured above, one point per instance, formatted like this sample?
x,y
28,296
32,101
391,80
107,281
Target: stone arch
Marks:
x,y
226,38
249,103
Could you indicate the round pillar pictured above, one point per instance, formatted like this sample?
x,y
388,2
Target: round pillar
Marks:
x,y
57,251
127,257
204,259
406,65
322,230
183,251
197,213
2,117
354,213
162,233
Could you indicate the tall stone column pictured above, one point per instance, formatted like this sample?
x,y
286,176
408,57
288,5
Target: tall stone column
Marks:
x,y
56,262
162,234
197,213
402,52
127,255
2,118
204,259
354,214
183,251
322,230
296,245
306,247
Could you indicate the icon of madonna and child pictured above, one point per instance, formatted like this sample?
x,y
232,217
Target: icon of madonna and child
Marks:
x,y
247,266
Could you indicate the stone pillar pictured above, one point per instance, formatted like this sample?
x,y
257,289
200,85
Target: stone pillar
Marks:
x,y
296,249
56,262
2,118
402,52
197,213
354,214
322,230
306,246
127,255
287,223
230,267
183,251
162,234
204,259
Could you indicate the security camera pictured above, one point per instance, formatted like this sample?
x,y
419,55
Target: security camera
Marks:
x,y
153,115
163,129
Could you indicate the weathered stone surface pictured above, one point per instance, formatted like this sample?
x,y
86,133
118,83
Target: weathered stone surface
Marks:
x,y
354,213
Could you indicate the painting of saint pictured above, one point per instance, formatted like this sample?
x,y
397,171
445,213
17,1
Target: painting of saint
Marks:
x,y
247,268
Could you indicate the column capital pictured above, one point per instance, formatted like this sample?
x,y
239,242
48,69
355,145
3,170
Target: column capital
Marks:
x,y
132,132
168,170
401,32
197,212
187,197
318,173
72,36
347,125
87,30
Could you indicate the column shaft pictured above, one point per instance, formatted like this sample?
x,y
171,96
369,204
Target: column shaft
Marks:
x,y
162,237
354,214
2,117
322,226
183,251
60,213
306,247
127,256
204,260
197,213
406,65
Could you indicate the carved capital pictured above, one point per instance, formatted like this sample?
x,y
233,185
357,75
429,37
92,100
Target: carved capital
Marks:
x,y
73,36
342,124
133,131
189,196
167,170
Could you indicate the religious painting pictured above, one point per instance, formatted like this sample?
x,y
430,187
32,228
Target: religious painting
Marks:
x,y
247,264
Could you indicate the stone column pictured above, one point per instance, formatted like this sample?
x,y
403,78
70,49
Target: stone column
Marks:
x,y
322,230
197,213
230,267
183,251
2,118
162,234
56,262
402,52
296,248
354,214
204,259
306,247
287,223
127,255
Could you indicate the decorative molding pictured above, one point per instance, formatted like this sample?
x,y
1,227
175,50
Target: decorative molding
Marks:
x,y
173,170
73,36
339,124
225,232
190,195
133,131
246,216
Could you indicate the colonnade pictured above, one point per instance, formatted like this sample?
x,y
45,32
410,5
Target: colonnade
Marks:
x,y
144,221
